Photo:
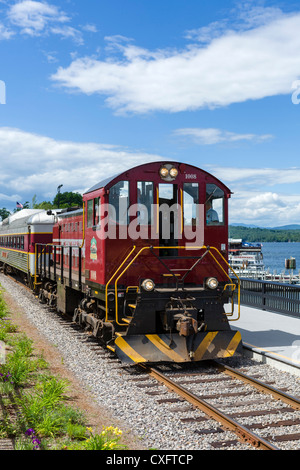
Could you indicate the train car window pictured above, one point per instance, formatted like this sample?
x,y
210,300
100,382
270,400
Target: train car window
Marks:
x,y
97,211
145,195
90,212
22,243
119,202
190,203
214,205
18,242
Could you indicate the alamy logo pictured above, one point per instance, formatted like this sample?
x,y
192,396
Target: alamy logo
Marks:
x,y
2,92
2,352
296,93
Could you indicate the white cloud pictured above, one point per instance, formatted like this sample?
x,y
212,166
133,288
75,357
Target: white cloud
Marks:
x,y
5,33
262,196
242,18
265,209
33,17
68,32
91,28
11,198
38,164
257,176
211,136
246,64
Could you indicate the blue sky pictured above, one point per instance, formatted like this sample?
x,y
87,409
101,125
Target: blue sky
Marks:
x,y
90,88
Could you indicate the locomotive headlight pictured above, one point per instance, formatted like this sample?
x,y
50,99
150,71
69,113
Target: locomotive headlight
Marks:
x,y
212,283
148,285
173,172
168,172
164,172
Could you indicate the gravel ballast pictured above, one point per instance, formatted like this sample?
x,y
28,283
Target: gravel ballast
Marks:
x,y
114,389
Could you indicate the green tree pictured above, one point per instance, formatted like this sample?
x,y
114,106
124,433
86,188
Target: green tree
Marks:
x,y
263,234
43,205
4,213
67,199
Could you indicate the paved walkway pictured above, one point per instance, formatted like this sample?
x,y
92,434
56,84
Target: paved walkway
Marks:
x,y
274,335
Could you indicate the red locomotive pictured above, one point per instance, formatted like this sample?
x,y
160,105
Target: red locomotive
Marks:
x,y
144,265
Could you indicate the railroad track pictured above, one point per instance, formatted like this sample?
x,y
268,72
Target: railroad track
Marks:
x,y
243,433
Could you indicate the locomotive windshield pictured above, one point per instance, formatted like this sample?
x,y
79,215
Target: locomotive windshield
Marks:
x,y
214,205
145,200
190,204
168,218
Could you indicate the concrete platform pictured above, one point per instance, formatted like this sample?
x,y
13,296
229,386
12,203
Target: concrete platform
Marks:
x,y
270,337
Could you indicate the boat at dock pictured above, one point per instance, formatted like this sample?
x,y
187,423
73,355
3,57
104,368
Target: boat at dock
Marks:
x,y
246,259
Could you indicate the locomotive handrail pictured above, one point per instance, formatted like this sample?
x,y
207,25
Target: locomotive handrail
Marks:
x,y
37,257
116,281
106,287
239,282
207,248
169,247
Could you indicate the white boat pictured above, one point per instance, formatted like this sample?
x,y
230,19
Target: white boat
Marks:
x,y
245,258
247,261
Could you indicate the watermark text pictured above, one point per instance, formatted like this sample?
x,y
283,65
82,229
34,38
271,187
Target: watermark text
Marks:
x,y
2,92
2,352
296,93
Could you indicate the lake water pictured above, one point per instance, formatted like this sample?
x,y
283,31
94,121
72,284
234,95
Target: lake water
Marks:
x,y
275,254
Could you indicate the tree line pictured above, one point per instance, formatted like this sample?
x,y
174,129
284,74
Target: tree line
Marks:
x,y
61,201
252,235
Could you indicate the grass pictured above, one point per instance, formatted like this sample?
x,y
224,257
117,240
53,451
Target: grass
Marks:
x,y
34,403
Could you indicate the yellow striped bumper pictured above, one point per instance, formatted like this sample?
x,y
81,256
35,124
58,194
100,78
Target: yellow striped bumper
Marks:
x,y
175,348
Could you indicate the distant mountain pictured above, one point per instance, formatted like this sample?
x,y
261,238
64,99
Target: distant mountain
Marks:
x,y
287,227
287,233
245,225
283,227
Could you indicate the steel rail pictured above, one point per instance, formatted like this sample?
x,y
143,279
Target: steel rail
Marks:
x,y
241,431
294,402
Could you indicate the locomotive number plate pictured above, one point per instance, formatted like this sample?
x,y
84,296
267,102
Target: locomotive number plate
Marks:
x,y
190,176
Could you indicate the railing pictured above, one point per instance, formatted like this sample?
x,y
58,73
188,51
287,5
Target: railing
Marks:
x,y
271,296
58,259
